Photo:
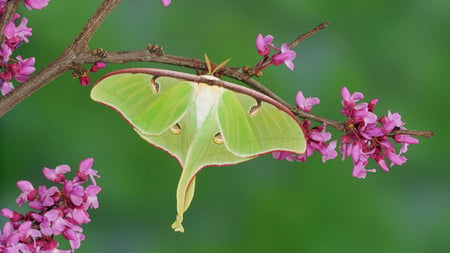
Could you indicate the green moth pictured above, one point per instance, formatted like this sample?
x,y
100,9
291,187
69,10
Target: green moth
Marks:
x,y
200,120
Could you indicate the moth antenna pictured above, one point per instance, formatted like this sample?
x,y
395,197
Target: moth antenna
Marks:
x,y
208,64
220,66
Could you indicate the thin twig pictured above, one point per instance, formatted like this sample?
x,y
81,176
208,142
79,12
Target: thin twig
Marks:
x,y
304,36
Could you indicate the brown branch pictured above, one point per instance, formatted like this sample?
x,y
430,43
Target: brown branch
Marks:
x,y
65,61
77,54
157,56
426,134
304,36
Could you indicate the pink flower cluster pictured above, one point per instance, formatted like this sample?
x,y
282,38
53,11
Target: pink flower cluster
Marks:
x,y
369,136
58,211
316,137
13,37
285,55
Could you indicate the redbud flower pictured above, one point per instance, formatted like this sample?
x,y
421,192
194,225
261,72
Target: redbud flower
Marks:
x,y
59,212
5,53
11,214
5,87
56,175
22,70
28,192
305,104
85,80
15,35
91,192
368,136
263,44
85,170
285,56
35,4
391,121
19,69
96,66
165,3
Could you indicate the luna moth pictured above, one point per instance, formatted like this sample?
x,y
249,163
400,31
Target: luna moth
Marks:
x,y
199,120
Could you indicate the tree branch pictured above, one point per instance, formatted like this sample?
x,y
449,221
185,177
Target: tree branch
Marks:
x,y
155,54
77,54
65,61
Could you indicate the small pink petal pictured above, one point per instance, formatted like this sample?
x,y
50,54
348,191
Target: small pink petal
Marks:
x,y
165,3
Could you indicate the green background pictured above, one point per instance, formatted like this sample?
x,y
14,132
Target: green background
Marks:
x,y
397,51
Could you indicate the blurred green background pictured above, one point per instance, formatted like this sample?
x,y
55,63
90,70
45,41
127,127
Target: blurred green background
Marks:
x,y
397,51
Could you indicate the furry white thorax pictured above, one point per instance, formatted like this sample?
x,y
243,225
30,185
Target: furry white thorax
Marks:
x,y
205,100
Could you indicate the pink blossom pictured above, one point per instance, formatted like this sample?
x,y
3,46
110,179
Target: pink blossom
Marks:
x,y
305,104
285,56
22,70
263,44
391,121
165,3
5,53
92,192
74,192
48,197
14,35
26,231
28,192
35,4
59,212
85,170
11,214
5,87
404,138
359,169
349,100
372,104
75,237
382,163
329,151
80,216
283,155
56,175
368,136
394,158
85,80
98,65
53,222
